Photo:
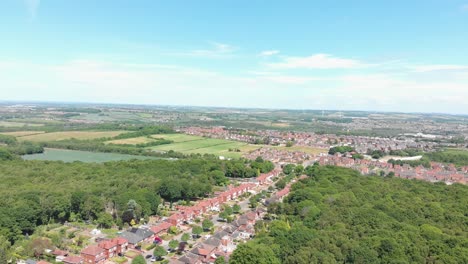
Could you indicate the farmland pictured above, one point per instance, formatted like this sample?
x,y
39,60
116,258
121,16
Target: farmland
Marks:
x,y
130,141
54,136
194,144
22,133
84,156
16,124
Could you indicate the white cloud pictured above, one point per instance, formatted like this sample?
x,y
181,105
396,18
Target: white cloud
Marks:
x,y
317,61
217,50
285,79
439,67
267,53
129,82
32,7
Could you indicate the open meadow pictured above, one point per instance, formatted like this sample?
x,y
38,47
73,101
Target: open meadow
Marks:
x,y
17,124
54,136
22,133
194,144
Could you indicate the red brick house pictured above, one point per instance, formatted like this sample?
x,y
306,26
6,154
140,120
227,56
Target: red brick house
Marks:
x,y
122,244
161,228
73,260
93,254
110,248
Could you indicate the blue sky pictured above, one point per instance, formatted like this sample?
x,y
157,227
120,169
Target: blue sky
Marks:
x,y
346,55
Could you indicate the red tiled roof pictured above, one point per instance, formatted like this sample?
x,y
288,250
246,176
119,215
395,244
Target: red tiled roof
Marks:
x,y
73,259
92,250
161,227
58,252
120,240
107,244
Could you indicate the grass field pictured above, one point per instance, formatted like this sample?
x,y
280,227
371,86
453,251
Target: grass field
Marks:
x,y
17,124
194,144
130,141
84,156
54,136
22,133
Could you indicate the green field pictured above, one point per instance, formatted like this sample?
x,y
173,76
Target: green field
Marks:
x,y
84,156
54,136
22,133
17,124
458,157
194,144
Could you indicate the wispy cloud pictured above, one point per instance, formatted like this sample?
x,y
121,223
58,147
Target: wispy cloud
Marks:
x,y
216,50
464,8
317,61
439,67
32,6
267,53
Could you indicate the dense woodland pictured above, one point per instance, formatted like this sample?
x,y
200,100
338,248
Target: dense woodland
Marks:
x,y
41,192
339,216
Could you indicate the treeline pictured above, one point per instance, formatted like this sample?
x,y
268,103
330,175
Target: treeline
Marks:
x,y
424,161
339,216
11,148
40,192
340,149
146,131
457,157
152,143
80,110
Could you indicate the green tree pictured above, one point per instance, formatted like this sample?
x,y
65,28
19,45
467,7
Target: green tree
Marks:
x,y
288,169
159,252
139,260
185,237
207,224
197,230
299,169
236,208
171,190
228,210
173,244
3,256
251,253
220,260
105,220
223,215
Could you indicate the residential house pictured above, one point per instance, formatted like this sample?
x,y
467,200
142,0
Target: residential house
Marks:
x,y
161,228
94,254
137,235
73,260
110,248
122,244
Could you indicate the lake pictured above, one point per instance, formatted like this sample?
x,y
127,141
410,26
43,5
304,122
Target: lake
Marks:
x,y
84,156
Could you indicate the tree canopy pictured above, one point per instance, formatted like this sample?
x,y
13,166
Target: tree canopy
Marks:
x,y
340,216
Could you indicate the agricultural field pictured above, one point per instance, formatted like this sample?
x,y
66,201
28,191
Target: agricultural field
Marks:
x,y
22,133
130,141
194,144
54,136
84,156
17,124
